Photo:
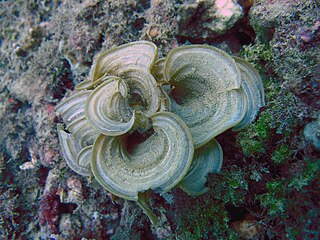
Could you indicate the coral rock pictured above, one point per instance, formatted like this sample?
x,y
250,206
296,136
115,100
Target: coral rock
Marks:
x,y
247,229
207,18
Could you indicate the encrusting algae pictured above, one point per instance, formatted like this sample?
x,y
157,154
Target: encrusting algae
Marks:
x,y
135,124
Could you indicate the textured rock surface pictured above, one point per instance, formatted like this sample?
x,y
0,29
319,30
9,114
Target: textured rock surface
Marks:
x,y
272,173
207,18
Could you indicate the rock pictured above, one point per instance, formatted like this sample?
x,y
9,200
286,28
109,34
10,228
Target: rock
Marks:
x,y
311,133
204,18
247,229
69,226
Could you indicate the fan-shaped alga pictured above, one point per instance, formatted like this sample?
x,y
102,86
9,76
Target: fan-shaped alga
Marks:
x,y
139,123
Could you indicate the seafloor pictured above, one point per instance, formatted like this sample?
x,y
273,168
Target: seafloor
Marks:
x,y
268,187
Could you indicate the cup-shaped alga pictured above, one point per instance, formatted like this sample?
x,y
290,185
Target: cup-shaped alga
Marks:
x,y
135,124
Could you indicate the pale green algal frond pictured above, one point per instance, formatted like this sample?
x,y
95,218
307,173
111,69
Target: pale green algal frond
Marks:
x,y
164,87
158,70
144,94
72,112
158,163
70,150
89,85
253,91
83,131
84,157
73,107
206,90
207,159
106,108
115,62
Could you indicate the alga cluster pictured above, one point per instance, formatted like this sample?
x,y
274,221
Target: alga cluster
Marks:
x,y
141,123
269,182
